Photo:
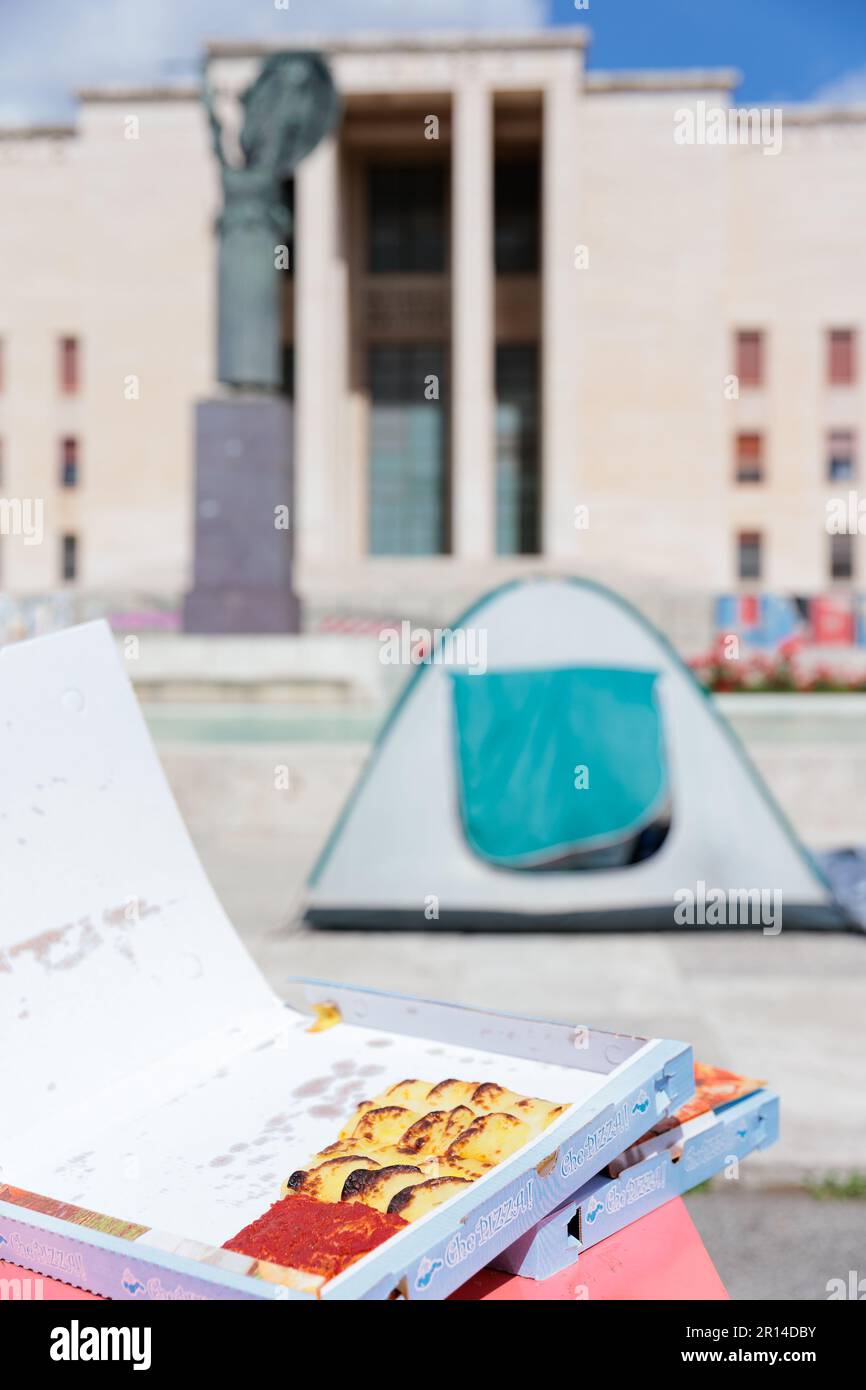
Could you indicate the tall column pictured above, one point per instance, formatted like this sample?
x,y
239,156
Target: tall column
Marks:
x,y
561,311
320,355
472,327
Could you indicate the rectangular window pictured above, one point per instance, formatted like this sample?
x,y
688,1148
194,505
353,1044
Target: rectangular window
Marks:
x,y
750,357
69,366
841,357
407,219
408,457
842,556
517,214
749,547
749,458
288,359
69,558
68,462
287,239
841,456
517,450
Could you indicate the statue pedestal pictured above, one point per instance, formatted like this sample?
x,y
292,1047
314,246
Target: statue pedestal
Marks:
x,y
243,559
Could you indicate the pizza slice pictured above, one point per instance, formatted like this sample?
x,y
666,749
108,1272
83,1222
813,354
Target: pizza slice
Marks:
x,y
401,1154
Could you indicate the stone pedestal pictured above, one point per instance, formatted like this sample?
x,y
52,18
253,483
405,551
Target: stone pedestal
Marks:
x,y
243,488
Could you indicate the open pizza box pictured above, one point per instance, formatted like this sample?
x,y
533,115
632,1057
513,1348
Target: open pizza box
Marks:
x,y
157,1092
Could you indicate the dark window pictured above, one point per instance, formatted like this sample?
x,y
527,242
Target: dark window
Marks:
x,y
518,217
287,277
69,365
750,357
288,352
407,218
749,555
841,357
408,472
842,556
750,458
841,456
517,450
288,238
68,462
69,557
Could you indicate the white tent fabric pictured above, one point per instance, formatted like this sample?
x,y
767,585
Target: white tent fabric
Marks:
x,y
398,856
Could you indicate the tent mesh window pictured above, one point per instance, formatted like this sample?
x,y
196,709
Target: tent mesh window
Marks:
x,y
561,768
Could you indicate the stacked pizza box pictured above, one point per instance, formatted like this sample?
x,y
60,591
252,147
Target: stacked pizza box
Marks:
x,y
172,1128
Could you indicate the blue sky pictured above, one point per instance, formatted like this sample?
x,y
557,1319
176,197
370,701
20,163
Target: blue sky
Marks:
x,y
788,50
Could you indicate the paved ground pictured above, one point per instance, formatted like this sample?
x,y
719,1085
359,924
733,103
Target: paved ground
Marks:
x,y
782,1245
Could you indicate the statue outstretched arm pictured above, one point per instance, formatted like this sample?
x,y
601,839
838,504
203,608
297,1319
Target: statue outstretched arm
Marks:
x,y
207,97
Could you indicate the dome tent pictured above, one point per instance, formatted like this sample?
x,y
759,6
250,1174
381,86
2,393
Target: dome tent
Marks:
x,y
578,778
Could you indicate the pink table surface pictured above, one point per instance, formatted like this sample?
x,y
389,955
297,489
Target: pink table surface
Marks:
x,y
659,1257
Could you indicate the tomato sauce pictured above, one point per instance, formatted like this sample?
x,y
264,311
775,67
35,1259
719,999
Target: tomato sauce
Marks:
x,y
318,1237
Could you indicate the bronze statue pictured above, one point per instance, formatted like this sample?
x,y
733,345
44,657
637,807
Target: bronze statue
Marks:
x,y
289,108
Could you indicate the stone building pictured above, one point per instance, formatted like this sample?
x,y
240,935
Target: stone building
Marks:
x,y
535,317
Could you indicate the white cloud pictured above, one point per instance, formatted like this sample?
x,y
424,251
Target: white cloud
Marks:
x,y
49,47
319,15
847,89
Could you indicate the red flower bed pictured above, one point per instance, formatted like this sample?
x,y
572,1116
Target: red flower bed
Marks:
x,y
756,674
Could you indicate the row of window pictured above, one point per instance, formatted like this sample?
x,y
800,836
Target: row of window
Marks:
x,y
840,356
68,366
396,246
750,556
840,456
517,431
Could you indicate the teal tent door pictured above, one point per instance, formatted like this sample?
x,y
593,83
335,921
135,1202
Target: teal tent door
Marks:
x,y
558,768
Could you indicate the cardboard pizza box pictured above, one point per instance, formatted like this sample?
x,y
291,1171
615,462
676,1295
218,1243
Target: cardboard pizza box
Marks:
x,y
157,1091
652,1172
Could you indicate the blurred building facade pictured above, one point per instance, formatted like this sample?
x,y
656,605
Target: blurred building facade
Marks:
x,y
528,323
